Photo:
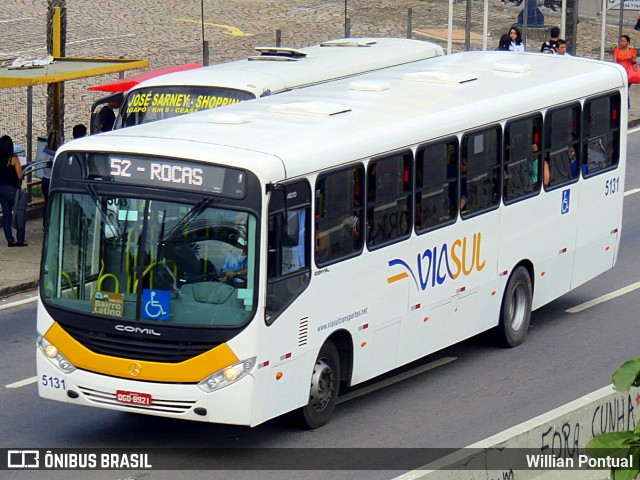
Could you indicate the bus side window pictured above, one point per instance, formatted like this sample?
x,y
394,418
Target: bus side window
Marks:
x,y
522,158
480,174
436,201
289,245
338,215
601,133
562,146
388,199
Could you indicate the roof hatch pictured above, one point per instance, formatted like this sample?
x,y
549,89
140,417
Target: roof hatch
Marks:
x,y
278,54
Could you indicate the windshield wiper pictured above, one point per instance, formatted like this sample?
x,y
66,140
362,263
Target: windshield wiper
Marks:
x,y
105,217
177,229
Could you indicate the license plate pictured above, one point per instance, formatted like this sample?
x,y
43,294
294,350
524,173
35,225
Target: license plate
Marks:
x,y
133,398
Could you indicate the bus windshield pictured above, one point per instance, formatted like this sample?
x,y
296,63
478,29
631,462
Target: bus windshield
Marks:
x,y
126,258
146,105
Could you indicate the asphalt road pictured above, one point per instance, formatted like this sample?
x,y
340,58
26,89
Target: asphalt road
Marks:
x,y
483,391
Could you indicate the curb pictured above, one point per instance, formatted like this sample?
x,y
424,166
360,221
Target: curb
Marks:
x,y
19,288
562,432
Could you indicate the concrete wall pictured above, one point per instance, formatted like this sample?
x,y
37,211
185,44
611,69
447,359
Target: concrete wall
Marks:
x,y
563,432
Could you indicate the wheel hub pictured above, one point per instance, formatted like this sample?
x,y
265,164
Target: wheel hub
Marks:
x,y
518,307
322,385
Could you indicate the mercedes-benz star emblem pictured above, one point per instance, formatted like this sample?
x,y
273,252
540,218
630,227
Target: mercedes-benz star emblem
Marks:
x,y
135,369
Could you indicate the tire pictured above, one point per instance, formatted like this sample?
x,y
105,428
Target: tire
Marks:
x,y
515,313
323,392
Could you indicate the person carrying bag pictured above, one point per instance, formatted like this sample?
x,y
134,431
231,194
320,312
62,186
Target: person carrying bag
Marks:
x,y
625,55
10,178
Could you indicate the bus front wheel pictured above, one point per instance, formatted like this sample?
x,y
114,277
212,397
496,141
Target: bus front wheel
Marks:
x,y
515,313
325,383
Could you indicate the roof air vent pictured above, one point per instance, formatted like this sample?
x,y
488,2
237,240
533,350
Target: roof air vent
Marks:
x,y
310,109
441,77
229,118
512,67
348,42
369,86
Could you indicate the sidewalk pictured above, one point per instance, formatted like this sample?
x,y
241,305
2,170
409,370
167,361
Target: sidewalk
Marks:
x,y
20,266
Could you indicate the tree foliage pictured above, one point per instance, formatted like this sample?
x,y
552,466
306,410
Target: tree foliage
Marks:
x,y
621,444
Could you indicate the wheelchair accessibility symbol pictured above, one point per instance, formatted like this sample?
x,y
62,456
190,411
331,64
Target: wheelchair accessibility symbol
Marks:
x,y
565,201
155,304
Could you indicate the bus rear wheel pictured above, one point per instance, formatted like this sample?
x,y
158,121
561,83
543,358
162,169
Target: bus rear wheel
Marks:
x,y
515,313
325,383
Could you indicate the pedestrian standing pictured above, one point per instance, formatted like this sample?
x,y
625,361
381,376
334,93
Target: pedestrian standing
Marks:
x,y
79,131
516,44
108,116
626,56
49,152
504,43
550,45
561,48
10,177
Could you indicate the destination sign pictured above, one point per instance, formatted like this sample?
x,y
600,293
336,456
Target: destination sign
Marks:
x,y
168,173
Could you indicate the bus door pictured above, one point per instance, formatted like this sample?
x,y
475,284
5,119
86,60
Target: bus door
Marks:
x,y
601,190
287,311
557,216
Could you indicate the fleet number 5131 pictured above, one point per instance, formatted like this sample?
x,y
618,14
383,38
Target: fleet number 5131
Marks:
x,y
611,186
53,382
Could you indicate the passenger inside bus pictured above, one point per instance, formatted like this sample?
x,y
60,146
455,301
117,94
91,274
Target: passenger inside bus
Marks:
x,y
463,186
234,270
560,165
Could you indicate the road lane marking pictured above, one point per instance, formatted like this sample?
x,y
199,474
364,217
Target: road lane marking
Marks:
x,y
396,379
604,298
22,383
18,302
228,29
633,130
631,192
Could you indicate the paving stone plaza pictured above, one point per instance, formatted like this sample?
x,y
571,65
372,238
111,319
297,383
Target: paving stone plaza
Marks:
x,y
170,32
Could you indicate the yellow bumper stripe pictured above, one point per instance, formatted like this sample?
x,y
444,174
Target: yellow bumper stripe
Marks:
x,y
189,371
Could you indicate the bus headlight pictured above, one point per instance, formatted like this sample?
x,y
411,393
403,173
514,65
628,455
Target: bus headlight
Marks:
x,y
55,357
227,375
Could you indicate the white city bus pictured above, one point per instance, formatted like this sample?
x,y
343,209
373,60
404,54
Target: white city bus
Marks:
x,y
272,70
234,265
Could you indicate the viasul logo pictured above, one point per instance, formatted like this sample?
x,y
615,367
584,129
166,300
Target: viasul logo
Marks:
x,y
435,265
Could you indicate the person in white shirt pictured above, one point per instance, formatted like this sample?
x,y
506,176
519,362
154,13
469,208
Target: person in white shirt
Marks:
x,y
516,40
561,48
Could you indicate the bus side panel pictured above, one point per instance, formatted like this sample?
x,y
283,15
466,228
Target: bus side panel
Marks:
x,y
599,222
521,238
451,298
377,328
558,214
427,299
478,292
284,361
